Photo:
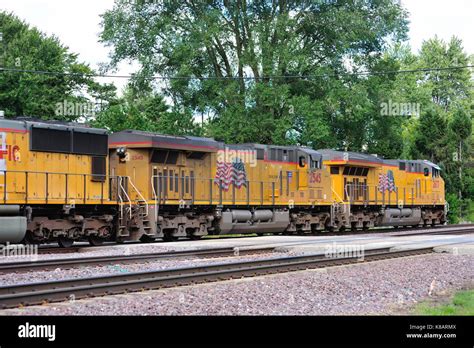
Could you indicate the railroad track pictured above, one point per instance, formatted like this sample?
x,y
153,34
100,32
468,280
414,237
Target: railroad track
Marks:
x,y
62,290
46,249
453,230
79,248
27,266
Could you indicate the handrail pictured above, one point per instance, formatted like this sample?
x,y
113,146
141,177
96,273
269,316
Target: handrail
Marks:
x,y
126,194
55,173
155,196
399,193
119,196
139,194
337,196
47,193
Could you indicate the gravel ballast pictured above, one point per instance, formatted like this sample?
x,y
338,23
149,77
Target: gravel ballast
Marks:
x,y
142,266
382,287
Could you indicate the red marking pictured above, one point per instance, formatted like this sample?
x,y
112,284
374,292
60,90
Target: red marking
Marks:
x,y
158,145
315,177
131,143
3,152
13,151
340,160
10,151
12,130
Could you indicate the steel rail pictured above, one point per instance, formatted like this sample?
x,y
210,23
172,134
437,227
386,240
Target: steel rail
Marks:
x,y
62,290
27,266
441,232
385,230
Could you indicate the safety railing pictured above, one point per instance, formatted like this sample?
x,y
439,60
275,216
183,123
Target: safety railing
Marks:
x,y
53,187
215,191
187,190
392,195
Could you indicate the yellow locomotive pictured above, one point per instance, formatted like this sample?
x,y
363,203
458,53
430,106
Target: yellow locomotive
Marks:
x,y
190,187
372,191
54,183
64,183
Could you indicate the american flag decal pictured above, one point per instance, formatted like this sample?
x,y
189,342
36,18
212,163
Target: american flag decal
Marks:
x,y
231,173
386,182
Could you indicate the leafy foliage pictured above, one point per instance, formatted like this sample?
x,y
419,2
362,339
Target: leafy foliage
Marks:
x,y
145,111
221,43
26,94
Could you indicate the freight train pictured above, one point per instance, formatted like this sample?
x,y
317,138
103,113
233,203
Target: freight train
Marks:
x,y
67,182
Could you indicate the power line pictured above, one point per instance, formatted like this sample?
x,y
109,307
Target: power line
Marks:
x,y
309,77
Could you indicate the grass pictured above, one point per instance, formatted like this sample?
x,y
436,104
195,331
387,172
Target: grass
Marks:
x,y
462,303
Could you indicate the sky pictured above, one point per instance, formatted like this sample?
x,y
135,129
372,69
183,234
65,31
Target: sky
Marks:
x,y
77,24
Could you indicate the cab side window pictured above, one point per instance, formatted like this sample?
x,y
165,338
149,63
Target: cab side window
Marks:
x,y
302,161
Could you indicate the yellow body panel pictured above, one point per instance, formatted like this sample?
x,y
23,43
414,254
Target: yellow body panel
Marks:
x,y
43,177
268,183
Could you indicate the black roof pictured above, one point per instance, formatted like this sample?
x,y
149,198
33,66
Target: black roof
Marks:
x,y
142,139
349,156
27,123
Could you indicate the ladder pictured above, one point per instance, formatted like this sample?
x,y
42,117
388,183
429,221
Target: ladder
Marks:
x,y
132,214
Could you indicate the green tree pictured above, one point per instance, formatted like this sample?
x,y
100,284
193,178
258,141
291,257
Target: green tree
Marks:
x,y
28,94
145,111
444,131
221,43
447,86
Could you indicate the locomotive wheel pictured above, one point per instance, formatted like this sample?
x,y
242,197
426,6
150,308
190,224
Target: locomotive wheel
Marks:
x,y
195,237
95,241
29,239
65,242
147,239
169,238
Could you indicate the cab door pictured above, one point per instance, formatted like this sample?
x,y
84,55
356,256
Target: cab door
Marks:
x,y
187,184
171,174
165,183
